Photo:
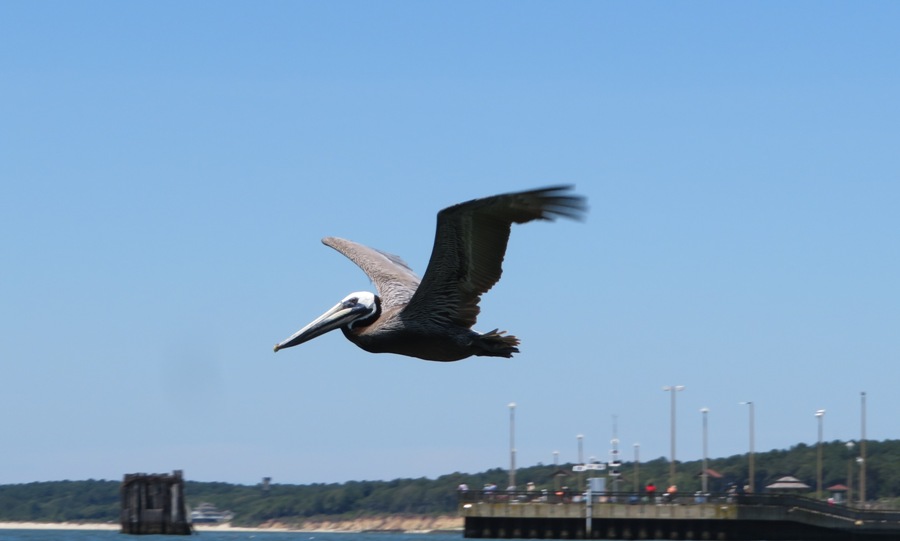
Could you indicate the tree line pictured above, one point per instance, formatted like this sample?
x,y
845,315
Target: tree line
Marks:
x,y
99,501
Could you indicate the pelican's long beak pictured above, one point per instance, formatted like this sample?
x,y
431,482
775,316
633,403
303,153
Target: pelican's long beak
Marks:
x,y
335,318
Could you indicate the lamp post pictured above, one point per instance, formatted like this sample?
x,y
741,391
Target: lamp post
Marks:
x,y
637,467
862,451
580,438
752,435
849,472
555,470
820,414
673,389
705,474
614,465
512,444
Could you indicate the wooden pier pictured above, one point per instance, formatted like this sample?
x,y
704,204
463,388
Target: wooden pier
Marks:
x,y
628,516
154,504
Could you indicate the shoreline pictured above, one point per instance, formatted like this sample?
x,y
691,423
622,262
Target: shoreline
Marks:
x,y
98,526
57,526
106,526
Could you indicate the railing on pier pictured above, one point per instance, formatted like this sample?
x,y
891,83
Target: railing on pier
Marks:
x,y
635,498
793,501
568,514
571,496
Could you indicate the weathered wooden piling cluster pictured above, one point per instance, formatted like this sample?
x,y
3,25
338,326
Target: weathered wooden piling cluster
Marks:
x,y
154,504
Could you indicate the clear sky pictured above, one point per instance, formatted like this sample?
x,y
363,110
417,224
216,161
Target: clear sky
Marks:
x,y
168,169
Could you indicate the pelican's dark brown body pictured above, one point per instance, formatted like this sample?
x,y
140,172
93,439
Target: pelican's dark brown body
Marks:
x,y
448,343
432,318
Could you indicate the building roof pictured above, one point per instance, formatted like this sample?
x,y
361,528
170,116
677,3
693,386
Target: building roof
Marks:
x,y
788,483
713,474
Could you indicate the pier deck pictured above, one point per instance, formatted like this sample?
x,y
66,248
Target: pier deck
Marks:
x,y
627,516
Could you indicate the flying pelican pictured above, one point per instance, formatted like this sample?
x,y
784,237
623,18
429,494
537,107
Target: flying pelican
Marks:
x,y
432,318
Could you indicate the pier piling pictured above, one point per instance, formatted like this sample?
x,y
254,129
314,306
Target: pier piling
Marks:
x,y
154,504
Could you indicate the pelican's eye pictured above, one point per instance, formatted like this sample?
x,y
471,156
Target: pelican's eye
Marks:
x,y
351,302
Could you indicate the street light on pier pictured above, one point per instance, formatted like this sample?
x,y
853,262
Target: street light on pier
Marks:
x,y
637,466
512,444
862,450
580,438
705,475
556,470
850,472
752,431
672,389
820,414
615,464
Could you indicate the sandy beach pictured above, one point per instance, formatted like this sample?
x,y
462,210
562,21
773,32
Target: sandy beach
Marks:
x,y
444,523
109,526
55,526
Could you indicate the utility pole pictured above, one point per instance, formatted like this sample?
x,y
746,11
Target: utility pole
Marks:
x,y
862,452
752,437
512,444
673,389
819,415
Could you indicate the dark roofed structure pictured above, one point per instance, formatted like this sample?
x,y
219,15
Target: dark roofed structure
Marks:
x,y
788,483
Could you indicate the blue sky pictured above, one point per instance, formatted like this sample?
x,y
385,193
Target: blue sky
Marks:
x,y
168,169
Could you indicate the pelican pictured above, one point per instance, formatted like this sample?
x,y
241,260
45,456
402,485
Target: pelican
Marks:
x,y
432,318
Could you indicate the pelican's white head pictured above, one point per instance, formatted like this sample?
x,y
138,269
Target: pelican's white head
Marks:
x,y
352,308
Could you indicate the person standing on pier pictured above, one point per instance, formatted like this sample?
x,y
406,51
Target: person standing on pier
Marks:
x,y
650,489
671,493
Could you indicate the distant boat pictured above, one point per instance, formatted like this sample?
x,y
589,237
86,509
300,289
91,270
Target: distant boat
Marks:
x,y
206,513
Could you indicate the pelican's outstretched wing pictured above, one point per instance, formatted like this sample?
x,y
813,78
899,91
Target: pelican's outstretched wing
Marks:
x,y
393,278
469,246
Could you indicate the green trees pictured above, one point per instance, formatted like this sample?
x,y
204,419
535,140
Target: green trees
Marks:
x,y
98,501
60,501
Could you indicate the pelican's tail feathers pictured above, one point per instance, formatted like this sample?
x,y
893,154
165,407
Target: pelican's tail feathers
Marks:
x,y
497,344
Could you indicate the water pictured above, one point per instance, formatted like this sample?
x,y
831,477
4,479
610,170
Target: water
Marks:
x,y
114,535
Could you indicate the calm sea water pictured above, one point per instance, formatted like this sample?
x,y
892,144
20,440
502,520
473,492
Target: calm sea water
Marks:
x,y
107,535
68,535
